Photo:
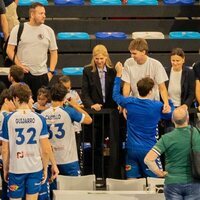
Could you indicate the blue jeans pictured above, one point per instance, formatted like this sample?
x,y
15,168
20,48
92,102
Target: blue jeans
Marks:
x,y
189,191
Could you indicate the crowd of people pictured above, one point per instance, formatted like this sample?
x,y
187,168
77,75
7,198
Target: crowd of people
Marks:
x,y
38,124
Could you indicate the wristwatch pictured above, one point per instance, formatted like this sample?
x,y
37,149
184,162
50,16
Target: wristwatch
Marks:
x,y
52,72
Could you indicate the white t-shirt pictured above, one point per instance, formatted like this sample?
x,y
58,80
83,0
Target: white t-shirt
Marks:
x,y
61,132
23,130
152,68
174,88
33,46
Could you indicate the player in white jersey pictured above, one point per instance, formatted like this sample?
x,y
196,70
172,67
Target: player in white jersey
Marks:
x,y
25,147
61,132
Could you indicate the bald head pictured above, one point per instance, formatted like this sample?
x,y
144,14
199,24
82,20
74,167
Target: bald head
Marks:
x,y
180,116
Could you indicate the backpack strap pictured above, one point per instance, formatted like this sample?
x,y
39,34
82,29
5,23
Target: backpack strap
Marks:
x,y
19,33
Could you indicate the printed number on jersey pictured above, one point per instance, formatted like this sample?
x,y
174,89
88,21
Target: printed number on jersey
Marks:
x,y
21,136
56,130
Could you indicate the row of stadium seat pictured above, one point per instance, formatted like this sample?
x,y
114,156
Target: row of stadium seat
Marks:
x,y
121,35
107,2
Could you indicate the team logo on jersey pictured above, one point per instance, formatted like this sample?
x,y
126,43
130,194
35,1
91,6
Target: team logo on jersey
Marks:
x,y
20,154
41,36
128,167
13,187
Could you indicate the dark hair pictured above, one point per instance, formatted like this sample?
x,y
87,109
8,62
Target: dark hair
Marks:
x,y
64,79
36,4
144,86
58,92
178,52
17,73
5,94
45,92
2,86
33,6
22,91
139,44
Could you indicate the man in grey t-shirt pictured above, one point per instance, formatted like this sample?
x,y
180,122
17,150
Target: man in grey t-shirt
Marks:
x,y
140,66
35,42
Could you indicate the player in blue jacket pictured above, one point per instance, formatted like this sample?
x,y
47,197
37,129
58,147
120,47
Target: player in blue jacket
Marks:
x,y
143,115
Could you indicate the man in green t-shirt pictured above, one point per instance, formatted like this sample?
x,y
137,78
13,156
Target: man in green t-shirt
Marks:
x,y
179,183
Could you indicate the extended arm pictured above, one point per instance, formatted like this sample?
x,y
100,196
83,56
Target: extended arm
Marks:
x,y
54,168
11,51
164,95
126,89
4,26
53,62
87,118
5,157
45,154
117,97
150,162
197,91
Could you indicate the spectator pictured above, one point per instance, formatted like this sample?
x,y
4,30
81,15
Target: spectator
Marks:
x,y
16,74
3,20
196,68
65,80
36,40
176,145
24,172
181,84
97,84
43,100
72,94
98,79
143,115
140,65
2,86
11,13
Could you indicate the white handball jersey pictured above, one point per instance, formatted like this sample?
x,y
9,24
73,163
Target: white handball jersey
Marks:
x,y
61,132
23,130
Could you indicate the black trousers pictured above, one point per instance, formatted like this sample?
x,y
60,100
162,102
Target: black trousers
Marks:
x,y
36,82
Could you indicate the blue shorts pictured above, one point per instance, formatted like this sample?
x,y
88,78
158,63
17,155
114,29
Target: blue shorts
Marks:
x,y
135,166
70,169
21,184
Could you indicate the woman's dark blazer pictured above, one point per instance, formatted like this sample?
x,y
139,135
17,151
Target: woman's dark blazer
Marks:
x,y
91,88
187,85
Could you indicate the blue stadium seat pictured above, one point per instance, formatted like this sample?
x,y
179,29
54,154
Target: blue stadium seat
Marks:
x,y
110,35
29,2
72,71
142,2
73,36
105,2
68,2
184,35
173,2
